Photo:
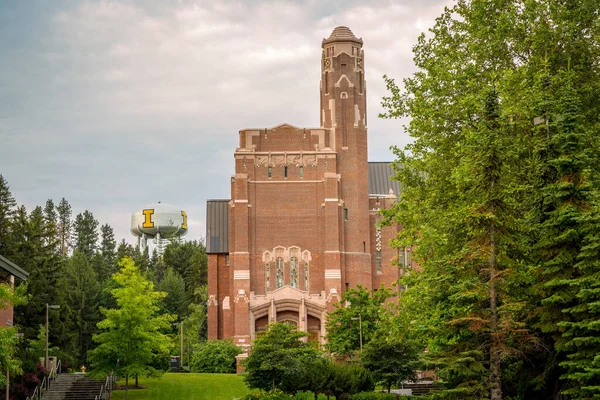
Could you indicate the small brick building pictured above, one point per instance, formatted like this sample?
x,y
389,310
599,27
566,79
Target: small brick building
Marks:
x,y
9,271
301,226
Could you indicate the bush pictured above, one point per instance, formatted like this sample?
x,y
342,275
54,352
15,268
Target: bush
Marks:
x,y
271,395
349,379
322,397
307,395
374,396
215,356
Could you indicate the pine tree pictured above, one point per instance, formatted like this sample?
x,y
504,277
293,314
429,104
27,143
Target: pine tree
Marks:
x,y
86,234
82,301
108,253
51,221
65,225
7,211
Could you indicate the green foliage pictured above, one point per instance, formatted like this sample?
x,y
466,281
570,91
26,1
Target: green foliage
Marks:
x,y
82,298
277,357
215,356
374,396
347,379
85,233
304,395
189,260
174,285
505,122
274,394
343,325
196,324
7,211
9,340
131,333
390,358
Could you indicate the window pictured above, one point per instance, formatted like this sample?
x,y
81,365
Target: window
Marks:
x,y
346,214
378,260
279,273
226,259
378,248
294,272
285,169
401,258
270,172
301,172
326,82
267,277
407,258
306,276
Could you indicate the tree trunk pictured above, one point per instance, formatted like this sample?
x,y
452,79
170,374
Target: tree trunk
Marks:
x,y
136,380
126,387
495,373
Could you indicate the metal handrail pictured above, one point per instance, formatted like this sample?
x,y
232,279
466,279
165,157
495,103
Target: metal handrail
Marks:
x,y
52,375
108,385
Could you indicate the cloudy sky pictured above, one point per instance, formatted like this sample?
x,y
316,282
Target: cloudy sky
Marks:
x,y
117,104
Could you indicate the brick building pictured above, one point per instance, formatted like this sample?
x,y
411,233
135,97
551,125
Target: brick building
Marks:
x,y
301,226
9,271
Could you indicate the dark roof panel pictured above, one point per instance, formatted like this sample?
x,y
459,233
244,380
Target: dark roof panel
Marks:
x,y
380,182
13,268
217,226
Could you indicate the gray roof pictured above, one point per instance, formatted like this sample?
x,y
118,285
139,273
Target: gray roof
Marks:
x,y
217,226
13,268
380,182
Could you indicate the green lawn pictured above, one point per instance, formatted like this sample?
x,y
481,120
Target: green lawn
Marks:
x,y
186,387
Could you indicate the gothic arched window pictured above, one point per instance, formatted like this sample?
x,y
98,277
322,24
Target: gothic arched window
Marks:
x,y
306,276
267,277
279,273
294,272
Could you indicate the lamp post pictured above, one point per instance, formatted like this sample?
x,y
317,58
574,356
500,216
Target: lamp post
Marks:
x,y
54,307
180,344
359,329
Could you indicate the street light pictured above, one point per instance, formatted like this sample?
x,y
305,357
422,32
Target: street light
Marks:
x,y
54,307
359,329
181,344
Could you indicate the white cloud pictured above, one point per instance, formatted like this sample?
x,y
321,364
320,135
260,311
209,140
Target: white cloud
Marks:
x,y
137,102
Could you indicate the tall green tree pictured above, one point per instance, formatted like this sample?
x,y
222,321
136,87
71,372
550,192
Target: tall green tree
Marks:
x,y
277,357
81,300
7,211
175,303
358,315
476,184
85,233
131,333
105,261
65,225
36,253
190,261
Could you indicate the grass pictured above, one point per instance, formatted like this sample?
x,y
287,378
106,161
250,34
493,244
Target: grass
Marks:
x,y
186,386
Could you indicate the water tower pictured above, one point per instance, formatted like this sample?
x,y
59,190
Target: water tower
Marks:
x,y
160,222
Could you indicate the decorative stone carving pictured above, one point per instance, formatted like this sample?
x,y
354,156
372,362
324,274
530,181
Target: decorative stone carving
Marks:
x,y
262,161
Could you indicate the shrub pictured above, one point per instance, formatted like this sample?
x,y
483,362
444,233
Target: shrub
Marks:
x,y
271,395
215,356
349,379
322,397
374,396
307,395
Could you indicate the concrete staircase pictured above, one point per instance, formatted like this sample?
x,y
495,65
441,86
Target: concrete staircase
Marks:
x,y
421,388
73,387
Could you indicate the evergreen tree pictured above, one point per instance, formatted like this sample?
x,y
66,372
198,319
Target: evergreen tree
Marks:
x,y
7,211
36,253
108,254
65,225
86,234
82,302
125,250
51,221
175,303
190,261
